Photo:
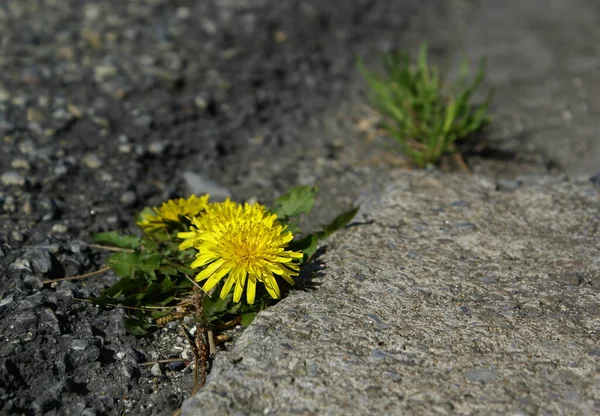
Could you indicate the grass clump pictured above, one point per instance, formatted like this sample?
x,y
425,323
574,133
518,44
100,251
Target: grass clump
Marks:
x,y
421,111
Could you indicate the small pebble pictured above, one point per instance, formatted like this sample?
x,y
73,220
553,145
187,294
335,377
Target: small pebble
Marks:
x,y
89,411
128,198
7,300
595,179
33,281
113,219
176,365
156,147
92,161
77,246
54,248
60,228
155,370
12,178
125,148
9,204
20,163
508,185
75,111
26,146
200,185
48,206
144,120
19,101
40,260
34,115
183,13
92,12
201,102
106,177
22,264
60,170
4,94
103,72
209,26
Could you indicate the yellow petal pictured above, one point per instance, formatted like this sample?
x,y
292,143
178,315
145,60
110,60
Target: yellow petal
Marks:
x,y
239,287
288,278
282,259
186,234
274,268
251,290
203,259
287,237
227,286
215,278
210,269
272,287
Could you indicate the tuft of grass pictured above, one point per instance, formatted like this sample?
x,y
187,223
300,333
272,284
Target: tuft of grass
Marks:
x,y
425,115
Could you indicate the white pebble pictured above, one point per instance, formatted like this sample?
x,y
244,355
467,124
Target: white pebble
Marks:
x,y
60,228
92,161
155,370
12,178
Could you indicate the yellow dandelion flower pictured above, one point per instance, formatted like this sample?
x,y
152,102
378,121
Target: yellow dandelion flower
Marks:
x,y
173,211
246,244
223,212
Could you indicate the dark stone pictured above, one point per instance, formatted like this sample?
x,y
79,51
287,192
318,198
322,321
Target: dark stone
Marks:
x,y
176,365
40,260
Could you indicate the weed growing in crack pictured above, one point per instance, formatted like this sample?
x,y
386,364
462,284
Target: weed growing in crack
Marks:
x,y
232,248
425,115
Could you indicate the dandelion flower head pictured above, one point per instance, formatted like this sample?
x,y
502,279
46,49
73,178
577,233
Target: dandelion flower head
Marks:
x,y
174,210
246,245
223,212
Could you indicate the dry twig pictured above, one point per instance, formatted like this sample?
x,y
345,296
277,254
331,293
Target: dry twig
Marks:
x,y
81,276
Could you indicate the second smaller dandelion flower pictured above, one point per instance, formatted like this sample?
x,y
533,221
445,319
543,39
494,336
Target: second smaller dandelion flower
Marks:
x,y
172,211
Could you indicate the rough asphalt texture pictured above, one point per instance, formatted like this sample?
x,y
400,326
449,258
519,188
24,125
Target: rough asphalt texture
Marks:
x,y
108,106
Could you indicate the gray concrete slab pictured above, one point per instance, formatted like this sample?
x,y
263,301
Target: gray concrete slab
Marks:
x,y
456,299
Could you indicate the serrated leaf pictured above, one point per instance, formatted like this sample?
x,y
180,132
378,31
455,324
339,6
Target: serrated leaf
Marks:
x,y
167,284
113,238
168,270
186,270
296,201
234,308
215,306
149,244
292,227
312,248
307,244
125,263
247,318
159,314
166,301
134,327
126,284
339,222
